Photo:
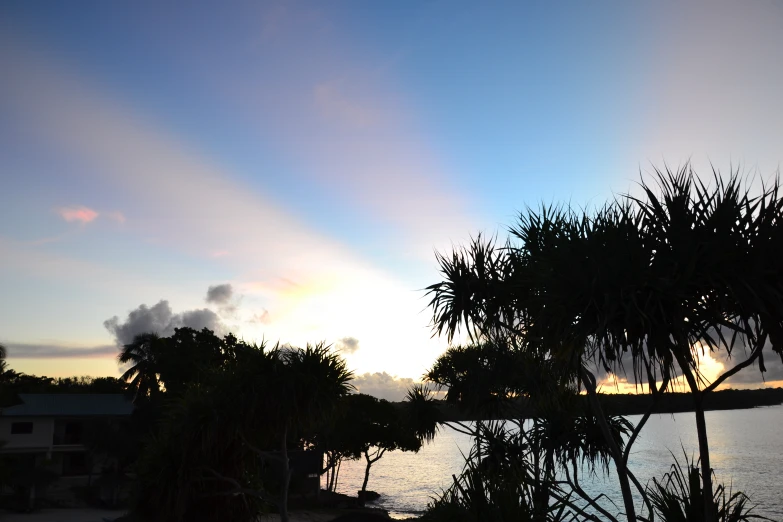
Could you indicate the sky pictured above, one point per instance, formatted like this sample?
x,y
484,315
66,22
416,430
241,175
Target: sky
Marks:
x,y
287,170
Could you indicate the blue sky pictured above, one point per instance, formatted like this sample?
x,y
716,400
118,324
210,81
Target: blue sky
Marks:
x,y
313,155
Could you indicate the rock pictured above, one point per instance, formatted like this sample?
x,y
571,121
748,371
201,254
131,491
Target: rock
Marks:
x,y
368,496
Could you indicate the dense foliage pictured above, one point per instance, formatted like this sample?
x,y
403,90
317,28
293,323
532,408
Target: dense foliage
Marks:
x,y
643,287
223,443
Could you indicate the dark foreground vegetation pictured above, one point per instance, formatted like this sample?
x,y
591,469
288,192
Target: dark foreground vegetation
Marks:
x,y
226,430
641,288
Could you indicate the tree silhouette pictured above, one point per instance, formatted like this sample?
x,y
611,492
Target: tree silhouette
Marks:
x,y
373,427
142,355
224,433
713,280
651,283
189,354
492,381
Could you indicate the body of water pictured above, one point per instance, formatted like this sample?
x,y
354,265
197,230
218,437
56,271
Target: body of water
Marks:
x,y
746,449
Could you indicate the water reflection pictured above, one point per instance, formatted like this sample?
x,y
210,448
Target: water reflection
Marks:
x,y
746,450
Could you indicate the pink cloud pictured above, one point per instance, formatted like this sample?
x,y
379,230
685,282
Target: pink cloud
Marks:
x,y
80,214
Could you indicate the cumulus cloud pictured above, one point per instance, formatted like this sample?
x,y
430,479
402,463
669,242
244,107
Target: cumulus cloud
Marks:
x,y
383,385
54,351
80,214
220,294
161,320
752,375
748,377
348,345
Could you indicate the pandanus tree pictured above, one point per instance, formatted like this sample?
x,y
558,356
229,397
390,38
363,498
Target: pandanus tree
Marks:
x,y
514,296
644,287
287,393
501,381
224,433
715,276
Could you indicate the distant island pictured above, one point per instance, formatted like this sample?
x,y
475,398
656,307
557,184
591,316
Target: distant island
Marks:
x,y
638,404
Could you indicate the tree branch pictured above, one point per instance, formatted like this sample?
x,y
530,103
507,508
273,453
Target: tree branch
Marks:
x,y
753,356
239,489
593,502
261,453
643,494
638,428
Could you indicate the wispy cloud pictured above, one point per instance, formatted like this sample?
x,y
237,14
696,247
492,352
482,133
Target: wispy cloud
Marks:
x,y
56,351
344,121
207,211
79,214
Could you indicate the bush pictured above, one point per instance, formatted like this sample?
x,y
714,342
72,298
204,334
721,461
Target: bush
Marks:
x,y
678,497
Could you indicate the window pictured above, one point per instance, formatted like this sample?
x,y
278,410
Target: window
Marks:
x,y
68,432
21,428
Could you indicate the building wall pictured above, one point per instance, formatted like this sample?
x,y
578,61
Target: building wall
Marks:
x,y
41,437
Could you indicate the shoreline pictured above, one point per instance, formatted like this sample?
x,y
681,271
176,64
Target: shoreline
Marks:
x,y
85,514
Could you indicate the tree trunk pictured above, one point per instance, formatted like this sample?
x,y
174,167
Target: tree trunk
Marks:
x,y
366,472
588,379
537,474
336,475
541,503
710,511
286,478
330,465
330,477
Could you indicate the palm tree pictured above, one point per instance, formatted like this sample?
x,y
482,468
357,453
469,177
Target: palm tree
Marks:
x,y
643,282
142,355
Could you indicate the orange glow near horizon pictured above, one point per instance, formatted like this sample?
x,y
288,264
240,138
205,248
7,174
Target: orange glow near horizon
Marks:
x,y
709,367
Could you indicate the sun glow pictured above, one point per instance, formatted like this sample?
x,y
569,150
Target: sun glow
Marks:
x,y
709,368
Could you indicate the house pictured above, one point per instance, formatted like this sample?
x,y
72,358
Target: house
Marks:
x,y
60,433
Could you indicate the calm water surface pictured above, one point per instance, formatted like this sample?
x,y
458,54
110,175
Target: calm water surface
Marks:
x,y
746,448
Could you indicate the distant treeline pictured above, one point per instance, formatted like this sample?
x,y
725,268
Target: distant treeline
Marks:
x,y
13,383
629,404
